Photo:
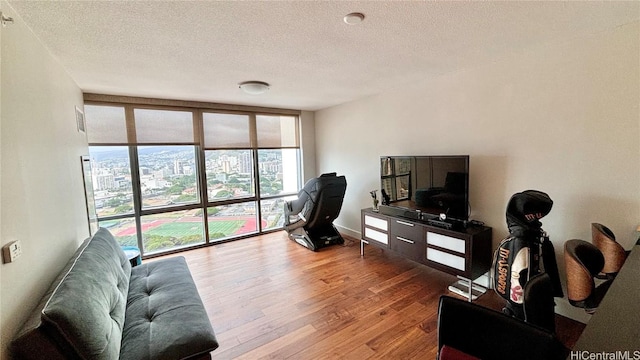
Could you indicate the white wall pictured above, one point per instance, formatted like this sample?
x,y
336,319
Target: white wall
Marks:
x,y
561,118
42,197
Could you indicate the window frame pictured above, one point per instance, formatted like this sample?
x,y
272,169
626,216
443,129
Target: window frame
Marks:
x,y
197,109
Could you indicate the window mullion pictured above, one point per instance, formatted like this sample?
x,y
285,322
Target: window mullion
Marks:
x,y
135,172
137,193
198,126
253,133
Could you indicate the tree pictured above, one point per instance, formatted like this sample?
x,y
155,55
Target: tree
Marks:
x,y
119,199
185,181
223,194
158,242
243,187
277,185
176,189
213,181
217,235
185,198
121,209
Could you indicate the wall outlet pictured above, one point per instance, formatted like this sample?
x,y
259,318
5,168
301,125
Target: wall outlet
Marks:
x,y
11,251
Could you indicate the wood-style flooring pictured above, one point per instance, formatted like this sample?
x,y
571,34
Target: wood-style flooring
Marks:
x,y
268,297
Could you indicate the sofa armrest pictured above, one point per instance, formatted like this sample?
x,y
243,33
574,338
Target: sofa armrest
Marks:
x,y
488,334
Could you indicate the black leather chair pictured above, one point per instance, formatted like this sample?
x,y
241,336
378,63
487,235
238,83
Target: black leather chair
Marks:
x,y
538,305
479,332
309,218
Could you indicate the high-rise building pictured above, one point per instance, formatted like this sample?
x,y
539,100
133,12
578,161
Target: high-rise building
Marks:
x,y
177,167
244,165
226,166
104,181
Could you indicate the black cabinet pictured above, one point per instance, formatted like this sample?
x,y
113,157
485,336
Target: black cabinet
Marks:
x,y
466,253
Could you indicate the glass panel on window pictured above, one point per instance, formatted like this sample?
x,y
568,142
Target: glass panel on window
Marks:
x,y
232,220
163,126
277,131
167,178
111,177
172,230
272,211
124,230
229,174
105,124
278,171
168,175
226,130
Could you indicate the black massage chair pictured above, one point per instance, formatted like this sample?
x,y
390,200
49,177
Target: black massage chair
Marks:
x,y
309,218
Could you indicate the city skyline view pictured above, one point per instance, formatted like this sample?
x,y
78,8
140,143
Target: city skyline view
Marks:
x,y
168,177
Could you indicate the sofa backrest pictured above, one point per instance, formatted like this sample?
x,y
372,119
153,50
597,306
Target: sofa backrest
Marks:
x,y
83,312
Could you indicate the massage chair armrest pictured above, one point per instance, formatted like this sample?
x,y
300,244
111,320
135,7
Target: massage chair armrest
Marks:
x,y
298,210
294,206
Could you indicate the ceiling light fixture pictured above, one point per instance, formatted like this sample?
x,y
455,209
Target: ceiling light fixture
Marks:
x,y
353,18
254,87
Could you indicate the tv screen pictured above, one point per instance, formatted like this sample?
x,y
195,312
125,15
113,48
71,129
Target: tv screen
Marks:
x,y
432,184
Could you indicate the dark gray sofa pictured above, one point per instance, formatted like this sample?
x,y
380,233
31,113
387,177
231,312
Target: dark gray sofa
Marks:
x,y
99,307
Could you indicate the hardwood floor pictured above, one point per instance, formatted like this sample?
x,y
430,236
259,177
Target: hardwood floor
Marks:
x,y
268,297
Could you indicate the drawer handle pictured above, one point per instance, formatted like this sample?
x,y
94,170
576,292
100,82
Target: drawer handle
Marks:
x,y
404,223
405,240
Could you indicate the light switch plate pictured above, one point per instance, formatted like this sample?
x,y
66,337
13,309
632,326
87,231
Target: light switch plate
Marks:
x,y
11,251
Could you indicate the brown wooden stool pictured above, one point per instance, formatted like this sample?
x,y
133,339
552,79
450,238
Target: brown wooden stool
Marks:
x,y
583,261
614,254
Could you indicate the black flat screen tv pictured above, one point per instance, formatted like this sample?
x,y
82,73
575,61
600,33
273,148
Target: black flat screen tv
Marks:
x,y
431,184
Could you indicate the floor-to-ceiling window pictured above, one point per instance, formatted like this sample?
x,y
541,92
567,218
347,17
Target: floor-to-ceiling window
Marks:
x,y
168,178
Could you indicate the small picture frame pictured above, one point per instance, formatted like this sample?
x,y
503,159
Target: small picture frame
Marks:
x,y
80,120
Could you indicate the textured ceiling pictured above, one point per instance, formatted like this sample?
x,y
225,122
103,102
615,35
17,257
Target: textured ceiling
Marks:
x,y
312,59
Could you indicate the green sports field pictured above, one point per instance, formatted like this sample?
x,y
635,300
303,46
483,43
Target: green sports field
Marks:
x,y
226,227
183,229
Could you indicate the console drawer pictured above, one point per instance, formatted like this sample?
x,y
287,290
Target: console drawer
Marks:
x,y
446,242
446,259
376,235
411,248
406,229
375,222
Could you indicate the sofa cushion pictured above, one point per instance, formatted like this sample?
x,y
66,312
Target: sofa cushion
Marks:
x,y
87,307
165,317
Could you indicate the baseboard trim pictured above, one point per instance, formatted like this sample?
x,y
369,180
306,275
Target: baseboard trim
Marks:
x,y
348,232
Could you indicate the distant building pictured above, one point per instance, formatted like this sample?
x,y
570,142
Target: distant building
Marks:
x,y
244,163
178,167
226,166
104,181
